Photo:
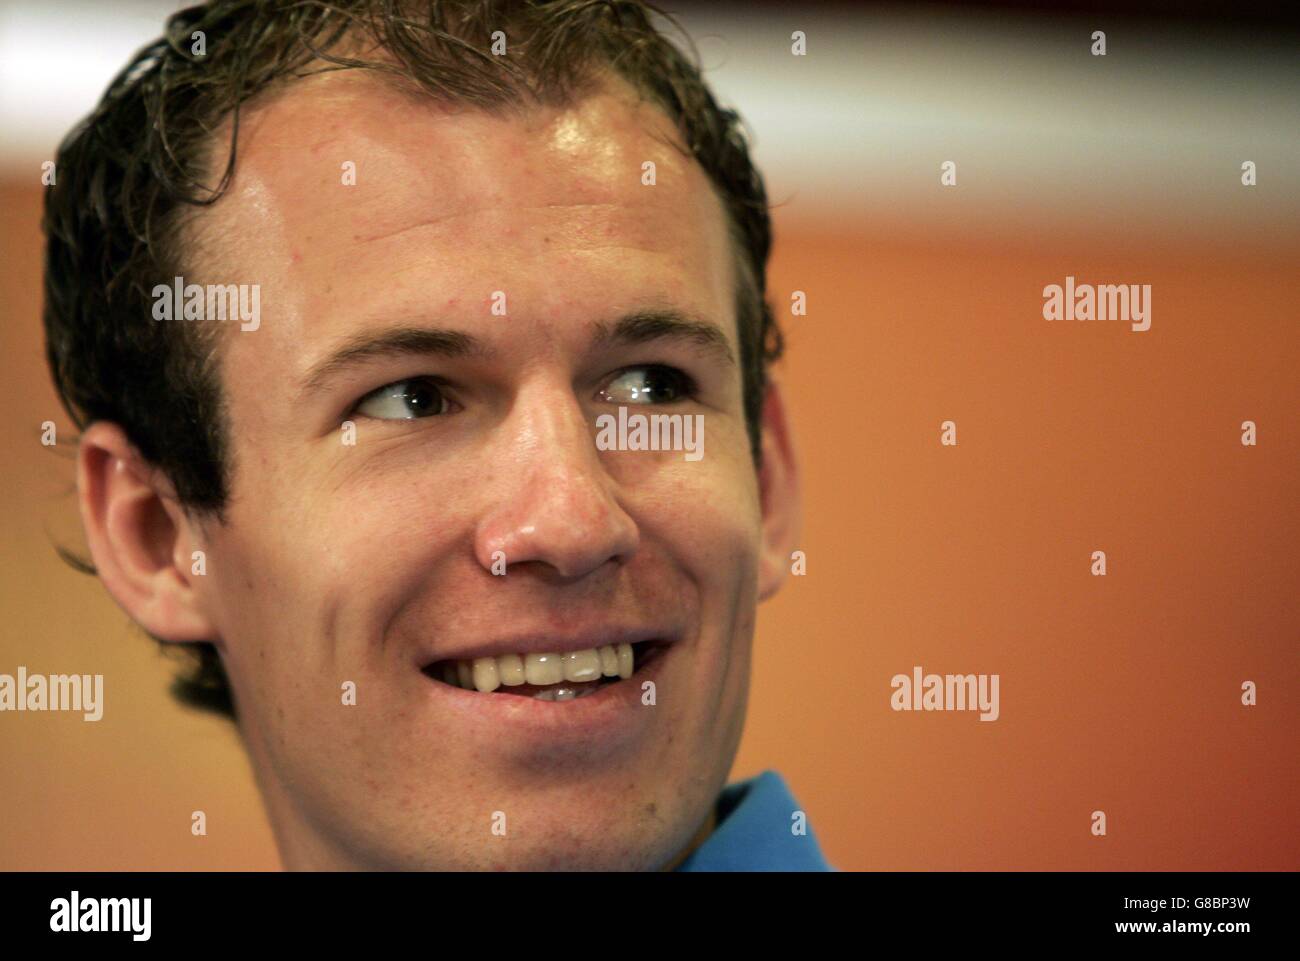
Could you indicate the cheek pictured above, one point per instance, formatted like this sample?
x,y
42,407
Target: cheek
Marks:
x,y
707,515
295,584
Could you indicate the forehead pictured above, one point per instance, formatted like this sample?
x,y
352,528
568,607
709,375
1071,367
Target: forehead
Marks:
x,y
449,205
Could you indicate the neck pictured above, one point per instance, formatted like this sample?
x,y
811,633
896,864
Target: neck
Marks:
x,y
701,835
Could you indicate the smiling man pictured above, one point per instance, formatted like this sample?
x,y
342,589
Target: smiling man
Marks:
x,y
455,631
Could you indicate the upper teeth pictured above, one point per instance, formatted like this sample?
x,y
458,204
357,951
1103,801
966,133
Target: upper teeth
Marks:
x,y
488,673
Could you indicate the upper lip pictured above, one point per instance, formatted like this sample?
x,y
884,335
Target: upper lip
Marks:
x,y
549,643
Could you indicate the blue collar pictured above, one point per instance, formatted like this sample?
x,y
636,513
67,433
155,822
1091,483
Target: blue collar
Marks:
x,y
754,832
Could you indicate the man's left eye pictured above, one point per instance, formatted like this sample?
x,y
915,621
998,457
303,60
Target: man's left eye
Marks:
x,y
404,400
652,384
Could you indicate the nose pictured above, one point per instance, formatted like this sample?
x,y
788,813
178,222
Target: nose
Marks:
x,y
553,503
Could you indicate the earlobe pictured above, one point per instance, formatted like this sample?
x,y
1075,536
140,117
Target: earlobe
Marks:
x,y
139,537
780,493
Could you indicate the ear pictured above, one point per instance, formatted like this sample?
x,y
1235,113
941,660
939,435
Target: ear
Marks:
x,y
778,480
140,538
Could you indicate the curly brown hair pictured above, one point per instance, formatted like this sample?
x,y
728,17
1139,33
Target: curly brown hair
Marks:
x,y
132,174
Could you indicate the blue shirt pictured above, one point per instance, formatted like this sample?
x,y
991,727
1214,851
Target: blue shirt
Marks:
x,y
754,832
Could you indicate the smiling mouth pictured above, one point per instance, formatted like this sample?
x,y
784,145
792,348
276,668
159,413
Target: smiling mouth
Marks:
x,y
547,677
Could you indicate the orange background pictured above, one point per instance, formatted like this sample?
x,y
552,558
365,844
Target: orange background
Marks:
x,y
1118,693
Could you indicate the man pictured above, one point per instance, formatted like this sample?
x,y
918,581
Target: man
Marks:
x,y
341,297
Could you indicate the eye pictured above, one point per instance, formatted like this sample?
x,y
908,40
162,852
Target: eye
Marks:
x,y
405,400
651,384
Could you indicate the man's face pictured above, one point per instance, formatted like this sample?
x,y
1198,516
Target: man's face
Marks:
x,y
367,562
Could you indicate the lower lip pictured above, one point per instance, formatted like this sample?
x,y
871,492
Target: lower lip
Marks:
x,y
608,712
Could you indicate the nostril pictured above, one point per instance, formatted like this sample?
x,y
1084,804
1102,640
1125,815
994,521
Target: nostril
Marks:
x,y
573,525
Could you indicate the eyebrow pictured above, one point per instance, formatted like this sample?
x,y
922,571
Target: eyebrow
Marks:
x,y
639,327
397,342
648,326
